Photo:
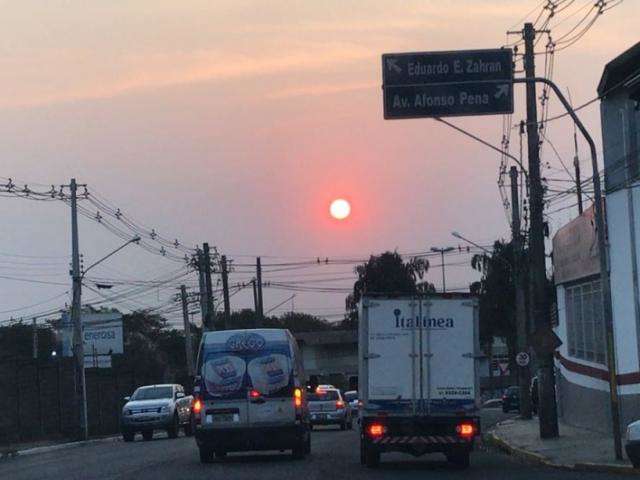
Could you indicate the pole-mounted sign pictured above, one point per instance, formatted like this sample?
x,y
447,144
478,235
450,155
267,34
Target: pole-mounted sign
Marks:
x,y
440,84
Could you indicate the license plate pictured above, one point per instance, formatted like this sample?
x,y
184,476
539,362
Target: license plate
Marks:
x,y
223,418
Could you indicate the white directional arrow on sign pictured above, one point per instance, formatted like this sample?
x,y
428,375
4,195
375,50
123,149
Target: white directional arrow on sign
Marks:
x,y
392,64
503,91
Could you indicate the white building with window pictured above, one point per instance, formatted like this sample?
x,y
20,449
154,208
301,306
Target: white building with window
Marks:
x,y
583,380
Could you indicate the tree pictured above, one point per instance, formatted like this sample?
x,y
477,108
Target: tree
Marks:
x,y
496,292
388,273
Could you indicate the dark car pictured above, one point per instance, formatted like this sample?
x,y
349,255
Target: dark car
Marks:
x,y
511,399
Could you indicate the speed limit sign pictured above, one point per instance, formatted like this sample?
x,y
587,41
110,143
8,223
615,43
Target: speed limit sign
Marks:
x,y
522,359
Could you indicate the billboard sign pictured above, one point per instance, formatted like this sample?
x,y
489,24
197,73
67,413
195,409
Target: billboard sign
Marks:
x,y
102,336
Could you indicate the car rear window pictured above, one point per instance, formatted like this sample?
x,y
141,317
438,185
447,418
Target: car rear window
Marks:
x,y
323,396
349,397
247,361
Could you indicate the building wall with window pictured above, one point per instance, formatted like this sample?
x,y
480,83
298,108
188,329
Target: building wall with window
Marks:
x,y
583,380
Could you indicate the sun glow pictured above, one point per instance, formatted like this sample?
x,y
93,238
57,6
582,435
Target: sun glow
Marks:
x,y
340,209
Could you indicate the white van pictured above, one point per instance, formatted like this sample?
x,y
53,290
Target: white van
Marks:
x,y
249,394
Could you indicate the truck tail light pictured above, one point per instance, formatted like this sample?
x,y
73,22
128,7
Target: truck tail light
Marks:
x,y
466,430
339,404
297,398
376,430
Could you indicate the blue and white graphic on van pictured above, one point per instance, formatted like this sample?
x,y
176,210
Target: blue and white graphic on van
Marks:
x,y
243,361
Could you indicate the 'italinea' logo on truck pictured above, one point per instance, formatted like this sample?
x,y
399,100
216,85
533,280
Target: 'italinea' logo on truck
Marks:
x,y
424,322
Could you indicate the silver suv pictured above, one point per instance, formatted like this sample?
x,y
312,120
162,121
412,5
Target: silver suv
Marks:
x,y
156,407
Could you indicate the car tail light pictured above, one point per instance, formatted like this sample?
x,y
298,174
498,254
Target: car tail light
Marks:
x,y
466,430
376,429
339,404
254,394
297,398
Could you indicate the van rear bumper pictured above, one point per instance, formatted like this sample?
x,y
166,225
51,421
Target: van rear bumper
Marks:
x,y
251,438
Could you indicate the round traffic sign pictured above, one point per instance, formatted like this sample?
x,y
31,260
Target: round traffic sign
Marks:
x,y
522,359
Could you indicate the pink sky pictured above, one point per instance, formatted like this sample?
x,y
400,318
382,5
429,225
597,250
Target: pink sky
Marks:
x,y
238,122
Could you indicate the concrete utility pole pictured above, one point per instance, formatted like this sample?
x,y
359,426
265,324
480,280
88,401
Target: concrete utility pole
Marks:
x,y
35,339
255,301
442,251
524,373
187,330
260,309
225,292
576,163
202,288
210,313
76,315
539,304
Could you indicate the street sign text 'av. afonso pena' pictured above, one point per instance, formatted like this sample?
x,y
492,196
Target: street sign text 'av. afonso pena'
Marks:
x,y
441,84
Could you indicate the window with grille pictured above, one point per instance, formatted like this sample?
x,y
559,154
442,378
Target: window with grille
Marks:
x,y
585,325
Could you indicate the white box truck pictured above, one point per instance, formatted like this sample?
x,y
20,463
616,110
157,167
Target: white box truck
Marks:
x,y
418,376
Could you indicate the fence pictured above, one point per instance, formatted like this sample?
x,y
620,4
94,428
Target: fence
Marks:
x,y
37,400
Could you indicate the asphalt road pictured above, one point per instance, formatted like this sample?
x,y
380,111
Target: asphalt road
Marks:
x,y
335,456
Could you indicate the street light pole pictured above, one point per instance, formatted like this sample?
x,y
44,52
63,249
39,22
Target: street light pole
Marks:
x,y
442,251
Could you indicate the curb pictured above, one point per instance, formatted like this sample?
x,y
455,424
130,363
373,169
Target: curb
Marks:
x,y
537,459
6,454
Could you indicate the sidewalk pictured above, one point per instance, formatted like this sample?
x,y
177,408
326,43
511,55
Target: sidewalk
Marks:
x,y
575,449
43,446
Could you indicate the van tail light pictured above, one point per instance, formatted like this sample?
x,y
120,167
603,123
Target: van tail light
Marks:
x,y
297,398
339,404
254,394
197,405
466,430
376,430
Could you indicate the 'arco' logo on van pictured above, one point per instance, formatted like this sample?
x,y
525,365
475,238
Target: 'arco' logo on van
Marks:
x,y
242,342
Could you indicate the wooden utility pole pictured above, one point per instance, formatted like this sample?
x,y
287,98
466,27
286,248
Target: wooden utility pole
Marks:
x,y
225,291
188,345
539,304
524,372
210,313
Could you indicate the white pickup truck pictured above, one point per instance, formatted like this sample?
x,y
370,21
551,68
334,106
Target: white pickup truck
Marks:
x,y
418,376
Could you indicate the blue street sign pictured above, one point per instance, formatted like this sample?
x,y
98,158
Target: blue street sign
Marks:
x,y
439,84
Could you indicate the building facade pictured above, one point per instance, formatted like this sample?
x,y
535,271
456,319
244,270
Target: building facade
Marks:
x,y
583,381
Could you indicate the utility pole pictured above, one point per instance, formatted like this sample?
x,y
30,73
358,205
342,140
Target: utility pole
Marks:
x,y
35,339
187,330
524,373
576,162
260,309
442,251
225,292
202,288
255,301
76,315
539,305
210,313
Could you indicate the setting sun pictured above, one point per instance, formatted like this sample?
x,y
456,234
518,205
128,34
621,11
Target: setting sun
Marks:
x,y
340,209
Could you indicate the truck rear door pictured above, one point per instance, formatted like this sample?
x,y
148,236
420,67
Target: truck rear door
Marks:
x,y
449,340
391,351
